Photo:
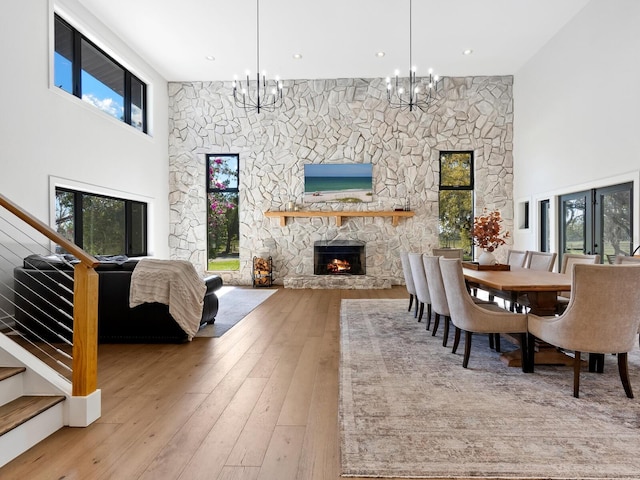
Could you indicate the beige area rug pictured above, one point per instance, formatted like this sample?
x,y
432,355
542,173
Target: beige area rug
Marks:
x,y
409,409
235,304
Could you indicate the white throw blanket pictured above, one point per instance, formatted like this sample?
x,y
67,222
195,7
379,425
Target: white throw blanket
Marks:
x,y
172,282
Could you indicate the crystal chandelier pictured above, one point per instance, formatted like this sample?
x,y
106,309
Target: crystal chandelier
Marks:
x,y
416,94
268,94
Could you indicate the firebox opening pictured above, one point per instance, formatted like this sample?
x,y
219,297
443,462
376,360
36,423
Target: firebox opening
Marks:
x,y
339,257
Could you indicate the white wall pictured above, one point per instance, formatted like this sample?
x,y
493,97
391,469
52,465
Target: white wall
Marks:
x,y
576,103
46,132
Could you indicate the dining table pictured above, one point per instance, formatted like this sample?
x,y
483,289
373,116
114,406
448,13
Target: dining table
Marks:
x,y
540,287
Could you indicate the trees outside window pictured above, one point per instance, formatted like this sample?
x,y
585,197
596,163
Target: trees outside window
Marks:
x,y
102,225
223,226
456,201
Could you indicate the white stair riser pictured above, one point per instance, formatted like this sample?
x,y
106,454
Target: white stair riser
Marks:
x,y
11,388
28,434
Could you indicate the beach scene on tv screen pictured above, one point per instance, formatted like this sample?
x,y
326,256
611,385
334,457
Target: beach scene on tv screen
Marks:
x,y
342,183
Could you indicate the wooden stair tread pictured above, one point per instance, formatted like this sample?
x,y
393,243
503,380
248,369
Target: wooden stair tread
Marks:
x,y
6,372
23,409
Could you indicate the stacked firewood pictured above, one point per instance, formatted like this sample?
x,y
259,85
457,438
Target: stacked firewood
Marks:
x,y
261,271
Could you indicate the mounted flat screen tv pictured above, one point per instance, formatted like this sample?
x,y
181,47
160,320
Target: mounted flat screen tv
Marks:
x,y
338,182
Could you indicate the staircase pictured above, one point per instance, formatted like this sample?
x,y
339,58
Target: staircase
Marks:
x,y
43,385
25,419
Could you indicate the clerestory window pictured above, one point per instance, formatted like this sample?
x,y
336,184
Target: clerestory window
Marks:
x,y
82,69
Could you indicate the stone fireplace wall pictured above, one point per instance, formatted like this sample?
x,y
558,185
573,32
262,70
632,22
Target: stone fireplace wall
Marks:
x,y
334,121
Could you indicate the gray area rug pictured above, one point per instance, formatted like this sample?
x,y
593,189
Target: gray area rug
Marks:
x,y
409,409
235,304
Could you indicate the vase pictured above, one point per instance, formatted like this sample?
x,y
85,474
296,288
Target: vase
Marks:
x,y
487,258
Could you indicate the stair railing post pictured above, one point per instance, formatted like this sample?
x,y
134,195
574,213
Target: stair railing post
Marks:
x,y
85,330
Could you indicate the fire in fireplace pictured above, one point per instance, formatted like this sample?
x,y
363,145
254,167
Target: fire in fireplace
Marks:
x,y
339,257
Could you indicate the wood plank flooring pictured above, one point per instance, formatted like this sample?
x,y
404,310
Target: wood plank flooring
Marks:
x,y
259,403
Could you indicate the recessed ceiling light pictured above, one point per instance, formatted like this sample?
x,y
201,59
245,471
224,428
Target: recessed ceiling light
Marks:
x,y
210,58
380,54
468,51
297,56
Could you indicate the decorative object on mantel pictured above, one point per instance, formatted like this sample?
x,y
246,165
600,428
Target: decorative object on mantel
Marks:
x,y
487,235
268,95
411,97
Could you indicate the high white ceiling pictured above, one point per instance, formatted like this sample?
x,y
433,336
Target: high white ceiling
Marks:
x,y
337,38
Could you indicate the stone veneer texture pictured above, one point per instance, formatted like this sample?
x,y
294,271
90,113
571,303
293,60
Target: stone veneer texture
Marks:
x,y
334,121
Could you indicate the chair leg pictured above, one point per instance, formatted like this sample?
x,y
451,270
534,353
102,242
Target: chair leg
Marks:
x,y
576,375
415,311
496,337
428,316
456,340
436,322
524,353
421,312
467,348
492,344
596,362
623,369
410,302
445,335
531,352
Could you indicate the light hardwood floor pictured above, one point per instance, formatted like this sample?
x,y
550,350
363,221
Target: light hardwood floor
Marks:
x,y
261,402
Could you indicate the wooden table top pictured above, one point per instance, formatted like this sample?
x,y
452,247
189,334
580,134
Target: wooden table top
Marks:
x,y
520,280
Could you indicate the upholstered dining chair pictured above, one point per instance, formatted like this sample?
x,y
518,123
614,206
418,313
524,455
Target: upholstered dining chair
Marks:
x,y
516,258
540,260
568,261
471,318
603,316
628,260
448,252
439,305
408,280
421,284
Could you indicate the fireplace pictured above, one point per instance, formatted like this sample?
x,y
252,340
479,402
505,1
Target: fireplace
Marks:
x,y
339,257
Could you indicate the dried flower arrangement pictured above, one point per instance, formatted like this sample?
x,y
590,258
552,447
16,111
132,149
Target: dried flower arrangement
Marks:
x,y
487,231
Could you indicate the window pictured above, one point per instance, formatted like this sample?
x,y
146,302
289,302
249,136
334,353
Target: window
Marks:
x,y
456,201
102,225
84,70
223,226
597,221
545,226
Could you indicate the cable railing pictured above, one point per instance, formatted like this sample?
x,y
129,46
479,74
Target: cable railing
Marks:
x,y
48,301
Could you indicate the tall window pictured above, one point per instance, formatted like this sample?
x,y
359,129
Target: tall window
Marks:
x,y
223,175
84,70
102,225
456,200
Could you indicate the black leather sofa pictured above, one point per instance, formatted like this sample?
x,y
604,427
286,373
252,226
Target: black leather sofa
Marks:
x,y
44,294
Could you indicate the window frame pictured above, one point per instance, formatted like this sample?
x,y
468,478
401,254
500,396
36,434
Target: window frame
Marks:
x,y
76,75
470,187
78,223
212,189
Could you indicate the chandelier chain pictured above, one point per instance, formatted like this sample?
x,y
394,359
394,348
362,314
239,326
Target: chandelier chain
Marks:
x,y
414,98
268,95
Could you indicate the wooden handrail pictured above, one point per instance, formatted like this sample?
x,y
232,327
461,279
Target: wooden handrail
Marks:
x,y
85,304
49,232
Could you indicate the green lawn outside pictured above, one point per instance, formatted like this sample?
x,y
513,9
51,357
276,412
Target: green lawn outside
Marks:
x,y
223,264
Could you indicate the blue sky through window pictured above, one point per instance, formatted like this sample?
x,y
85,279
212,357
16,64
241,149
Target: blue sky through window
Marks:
x,y
93,91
